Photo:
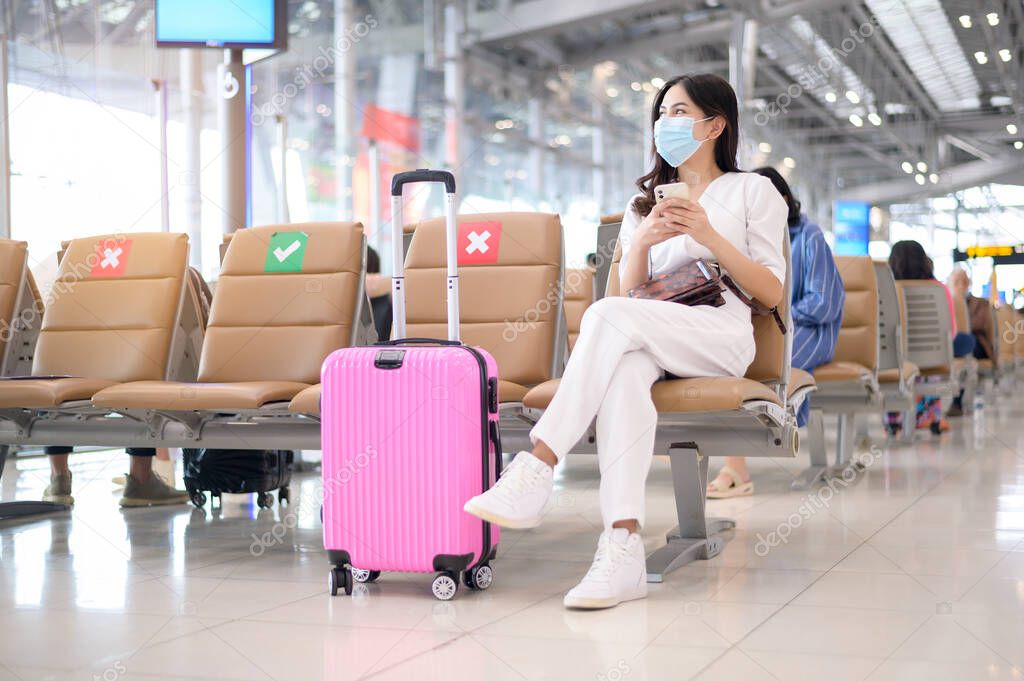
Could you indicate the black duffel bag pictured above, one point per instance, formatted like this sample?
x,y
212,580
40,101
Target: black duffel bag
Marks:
x,y
238,471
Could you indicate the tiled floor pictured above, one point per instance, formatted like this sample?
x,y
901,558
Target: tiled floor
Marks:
x,y
915,571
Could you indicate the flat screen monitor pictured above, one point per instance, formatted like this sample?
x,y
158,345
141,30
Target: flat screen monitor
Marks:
x,y
235,24
851,225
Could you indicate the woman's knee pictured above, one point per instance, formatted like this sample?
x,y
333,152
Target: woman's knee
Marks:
x,y
604,312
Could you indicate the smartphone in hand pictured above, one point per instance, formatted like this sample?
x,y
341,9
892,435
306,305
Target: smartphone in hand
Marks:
x,y
674,190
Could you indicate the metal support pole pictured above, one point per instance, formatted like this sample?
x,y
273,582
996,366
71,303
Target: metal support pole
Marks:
x,y
283,214
454,84
5,145
160,90
231,120
376,239
597,157
345,110
191,69
535,123
742,55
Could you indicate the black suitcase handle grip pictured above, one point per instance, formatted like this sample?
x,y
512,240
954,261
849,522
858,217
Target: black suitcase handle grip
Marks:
x,y
409,341
422,175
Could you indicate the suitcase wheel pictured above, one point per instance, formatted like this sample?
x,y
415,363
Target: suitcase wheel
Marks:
x,y
198,499
479,578
445,586
284,495
365,576
339,578
264,500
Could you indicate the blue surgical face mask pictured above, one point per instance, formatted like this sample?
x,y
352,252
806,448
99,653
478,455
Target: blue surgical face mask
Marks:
x,y
673,138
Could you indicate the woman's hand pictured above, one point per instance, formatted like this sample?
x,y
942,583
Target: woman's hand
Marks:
x,y
657,227
692,221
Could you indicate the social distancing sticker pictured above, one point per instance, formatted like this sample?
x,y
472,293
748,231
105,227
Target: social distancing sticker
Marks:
x,y
286,252
478,242
111,257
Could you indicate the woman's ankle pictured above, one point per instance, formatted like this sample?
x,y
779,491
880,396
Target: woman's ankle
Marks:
x,y
545,454
633,525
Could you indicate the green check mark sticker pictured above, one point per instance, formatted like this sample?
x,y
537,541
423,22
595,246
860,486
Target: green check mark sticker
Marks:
x,y
286,252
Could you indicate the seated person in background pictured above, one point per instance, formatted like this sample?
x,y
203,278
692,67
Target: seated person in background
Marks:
x,y
142,487
909,261
818,297
966,341
378,290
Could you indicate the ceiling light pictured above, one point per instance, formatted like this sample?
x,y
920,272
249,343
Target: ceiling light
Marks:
x,y
965,20
981,57
764,148
874,118
789,162
1018,145
612,92
635,86
922,167
856,120
1000,100
853,96
1005,55
934,178
830,97
657,82
1011,128
908,167
993,18
919,178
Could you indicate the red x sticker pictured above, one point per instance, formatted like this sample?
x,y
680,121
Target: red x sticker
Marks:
x,y
111,257
478,242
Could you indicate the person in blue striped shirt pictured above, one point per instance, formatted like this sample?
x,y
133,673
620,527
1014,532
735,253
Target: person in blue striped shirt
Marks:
x,y
818,297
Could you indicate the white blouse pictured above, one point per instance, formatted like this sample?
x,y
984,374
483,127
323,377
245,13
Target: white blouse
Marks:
x,y
745,208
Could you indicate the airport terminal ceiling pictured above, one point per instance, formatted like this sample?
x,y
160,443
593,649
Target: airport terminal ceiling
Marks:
x,y
886,101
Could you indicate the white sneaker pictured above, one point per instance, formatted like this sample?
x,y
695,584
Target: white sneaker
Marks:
x,y
619,573
517,500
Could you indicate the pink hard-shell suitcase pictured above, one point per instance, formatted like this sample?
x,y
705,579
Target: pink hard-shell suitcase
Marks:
x,y
409,431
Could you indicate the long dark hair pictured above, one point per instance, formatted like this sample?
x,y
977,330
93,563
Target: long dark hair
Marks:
x,y
715,97
909,261
783,188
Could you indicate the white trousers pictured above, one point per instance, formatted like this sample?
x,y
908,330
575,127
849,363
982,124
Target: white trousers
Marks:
x,y
623,347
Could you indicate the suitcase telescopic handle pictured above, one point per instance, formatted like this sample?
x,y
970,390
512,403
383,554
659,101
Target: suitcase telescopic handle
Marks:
x,y
398,256
422,175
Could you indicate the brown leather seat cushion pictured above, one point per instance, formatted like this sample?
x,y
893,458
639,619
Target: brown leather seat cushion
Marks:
x,y
307,401
798,380
709,393
511,392
176,396
841,371
910,372
985,364
48,392
934,371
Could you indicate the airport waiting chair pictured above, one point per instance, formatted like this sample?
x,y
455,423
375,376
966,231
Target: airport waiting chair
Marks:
x,y
111,318
848,385
512,306
579,295
896,375
709,416
929,345
607,244
269,332
21,310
